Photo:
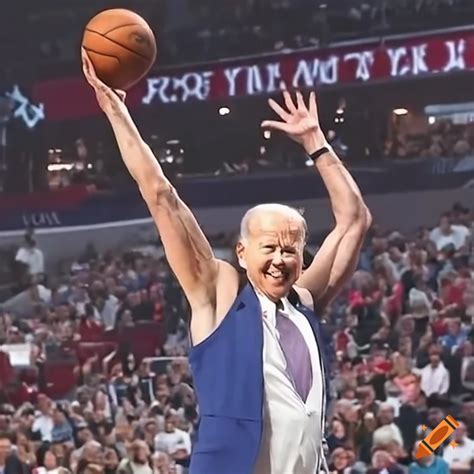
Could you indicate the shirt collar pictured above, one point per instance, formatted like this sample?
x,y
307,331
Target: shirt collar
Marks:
x,y
269,308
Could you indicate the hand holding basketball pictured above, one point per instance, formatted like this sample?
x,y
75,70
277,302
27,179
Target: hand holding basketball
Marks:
x,y
110,100
121,46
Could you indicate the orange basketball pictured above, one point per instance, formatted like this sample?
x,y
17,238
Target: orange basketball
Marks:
x,y
121,46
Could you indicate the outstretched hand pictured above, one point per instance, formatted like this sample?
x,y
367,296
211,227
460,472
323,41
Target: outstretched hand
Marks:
x,y
110,100
299,122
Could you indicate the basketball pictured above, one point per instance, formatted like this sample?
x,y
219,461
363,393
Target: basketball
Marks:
x,y
121,46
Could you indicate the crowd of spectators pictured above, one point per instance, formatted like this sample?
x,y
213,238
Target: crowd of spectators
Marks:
x,y
437,141
212,29
237,27
403,359
440,139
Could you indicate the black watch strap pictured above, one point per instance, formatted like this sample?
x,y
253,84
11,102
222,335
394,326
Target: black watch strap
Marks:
x,y
314,156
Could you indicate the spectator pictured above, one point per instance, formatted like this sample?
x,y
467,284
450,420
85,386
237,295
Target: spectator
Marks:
x,y
9,462
435,377
447,234
339,461
428,465
43,423
173,441
31,256
48,463
384,463
163,464
62,431
460,456
138,461
5,451
388,432
456,336
111,461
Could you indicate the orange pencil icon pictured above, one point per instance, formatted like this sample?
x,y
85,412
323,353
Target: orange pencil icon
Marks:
x,y
432,442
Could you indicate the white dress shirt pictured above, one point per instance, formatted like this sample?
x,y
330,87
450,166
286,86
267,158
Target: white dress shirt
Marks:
x,y
172,442
44,425
460,456
434,380
292,429
33,258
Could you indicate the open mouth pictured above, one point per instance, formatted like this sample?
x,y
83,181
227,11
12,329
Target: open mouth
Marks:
x,y
276,275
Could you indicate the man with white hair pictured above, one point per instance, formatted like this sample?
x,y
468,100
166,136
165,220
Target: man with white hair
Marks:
x,y
257,356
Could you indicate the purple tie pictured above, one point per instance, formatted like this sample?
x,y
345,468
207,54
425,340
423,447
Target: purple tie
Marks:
x,y
298,360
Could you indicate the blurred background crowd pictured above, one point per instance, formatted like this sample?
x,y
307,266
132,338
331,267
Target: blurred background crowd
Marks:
x,y
192,32
100,375
94,377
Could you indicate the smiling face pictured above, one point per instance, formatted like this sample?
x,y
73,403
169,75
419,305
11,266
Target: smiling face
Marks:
x,y
271,249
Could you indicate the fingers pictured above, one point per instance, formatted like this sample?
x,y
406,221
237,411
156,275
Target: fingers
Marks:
x,y
289,102
121,94
89,70
274,125
313,106
86,63
300,101
279,110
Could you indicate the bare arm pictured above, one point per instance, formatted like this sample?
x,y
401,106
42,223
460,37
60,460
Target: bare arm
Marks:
x,y
337,258
187,249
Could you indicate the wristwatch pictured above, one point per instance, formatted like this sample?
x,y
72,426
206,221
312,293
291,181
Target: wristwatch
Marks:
x,y
325,149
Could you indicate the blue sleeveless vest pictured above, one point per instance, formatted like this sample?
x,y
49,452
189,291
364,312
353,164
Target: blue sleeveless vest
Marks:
x,y
227,370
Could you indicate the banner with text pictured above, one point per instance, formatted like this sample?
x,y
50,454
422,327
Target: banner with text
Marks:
x,y
391,59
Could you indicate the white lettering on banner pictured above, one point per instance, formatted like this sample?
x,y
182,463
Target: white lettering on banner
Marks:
x,y
316,71
419,59
258,79
396,55
456,55
231,75
365,60
168,89
415,60
294,70
30,113
328,70
41,219
194,84
306,72
254,80
274,75
157,86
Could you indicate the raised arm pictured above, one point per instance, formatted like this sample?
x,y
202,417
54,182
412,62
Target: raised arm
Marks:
x,y
337,258
187,249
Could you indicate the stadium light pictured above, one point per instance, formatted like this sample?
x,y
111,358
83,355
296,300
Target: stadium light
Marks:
x,y
224,111
400,111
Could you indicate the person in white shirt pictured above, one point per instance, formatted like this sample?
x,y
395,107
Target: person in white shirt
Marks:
x,y
434,376
31,256
388,432
448,234
175,442
44,423
462,455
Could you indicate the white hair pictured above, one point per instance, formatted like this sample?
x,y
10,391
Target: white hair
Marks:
x,y
281,209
